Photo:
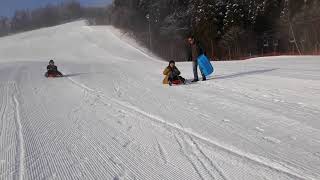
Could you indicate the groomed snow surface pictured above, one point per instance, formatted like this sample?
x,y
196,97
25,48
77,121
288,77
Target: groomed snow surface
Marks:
x,y
111,118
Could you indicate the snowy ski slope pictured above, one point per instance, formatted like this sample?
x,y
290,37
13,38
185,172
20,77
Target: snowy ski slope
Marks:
x,y
111,118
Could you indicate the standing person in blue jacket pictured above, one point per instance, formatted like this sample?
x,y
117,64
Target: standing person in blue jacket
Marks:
x,y
195,50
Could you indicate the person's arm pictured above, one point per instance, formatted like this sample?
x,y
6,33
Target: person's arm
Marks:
x,y
166,71
201,50
189,53
48,67
177,72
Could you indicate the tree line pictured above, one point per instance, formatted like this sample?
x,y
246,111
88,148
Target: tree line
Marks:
x,y
229,29
51,15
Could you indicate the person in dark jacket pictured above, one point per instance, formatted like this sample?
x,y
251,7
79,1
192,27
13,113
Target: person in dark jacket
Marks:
x,y
172,74
52,69
195,50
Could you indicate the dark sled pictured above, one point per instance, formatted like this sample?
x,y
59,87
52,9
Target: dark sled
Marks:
x,y
176,83
53,75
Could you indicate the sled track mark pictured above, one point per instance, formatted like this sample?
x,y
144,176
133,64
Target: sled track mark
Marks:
x,y
215,169
3,108
162,152
201,163
264,162
20,138
116,166
184,153
272,140
197,158
231,150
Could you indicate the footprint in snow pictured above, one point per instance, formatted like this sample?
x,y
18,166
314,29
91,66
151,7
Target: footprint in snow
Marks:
x,y
276,100
293,138
36,90
126,144
115,139
129,128
121,115
302,104
272,140
259,129
106,104
54,176
226,120
205,115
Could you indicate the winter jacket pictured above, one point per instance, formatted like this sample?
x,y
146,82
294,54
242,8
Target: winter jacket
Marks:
x,y
170,72
199,51
52,68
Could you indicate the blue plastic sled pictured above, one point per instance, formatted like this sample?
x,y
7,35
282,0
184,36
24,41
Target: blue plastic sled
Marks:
x,y
205,65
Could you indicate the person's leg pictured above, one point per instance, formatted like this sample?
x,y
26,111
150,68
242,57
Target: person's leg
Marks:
x,y
49,72
182,79
170,79
195,70
203,77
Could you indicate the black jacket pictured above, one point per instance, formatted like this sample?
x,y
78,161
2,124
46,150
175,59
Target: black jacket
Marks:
x,y
175,71
52,68
200,50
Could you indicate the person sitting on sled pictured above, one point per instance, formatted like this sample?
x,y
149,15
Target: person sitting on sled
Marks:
x,y
172,75
52,70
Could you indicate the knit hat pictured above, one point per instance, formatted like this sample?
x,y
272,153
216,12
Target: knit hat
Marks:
x,y
172,62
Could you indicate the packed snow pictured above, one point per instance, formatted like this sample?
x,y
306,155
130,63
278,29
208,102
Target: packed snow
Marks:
x,y
111,117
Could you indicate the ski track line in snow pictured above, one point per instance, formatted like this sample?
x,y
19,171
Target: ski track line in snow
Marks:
x,y
184,153
124,168
231,150
279,102
4,91
94,93
20,136
250,157
3,108
194,156
41,156
162,152
216,170
9,99
278,109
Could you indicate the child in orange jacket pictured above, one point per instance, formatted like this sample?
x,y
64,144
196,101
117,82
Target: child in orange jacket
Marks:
x,y
172,75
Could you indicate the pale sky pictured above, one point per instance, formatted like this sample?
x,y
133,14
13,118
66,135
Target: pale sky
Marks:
x,y
8,7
